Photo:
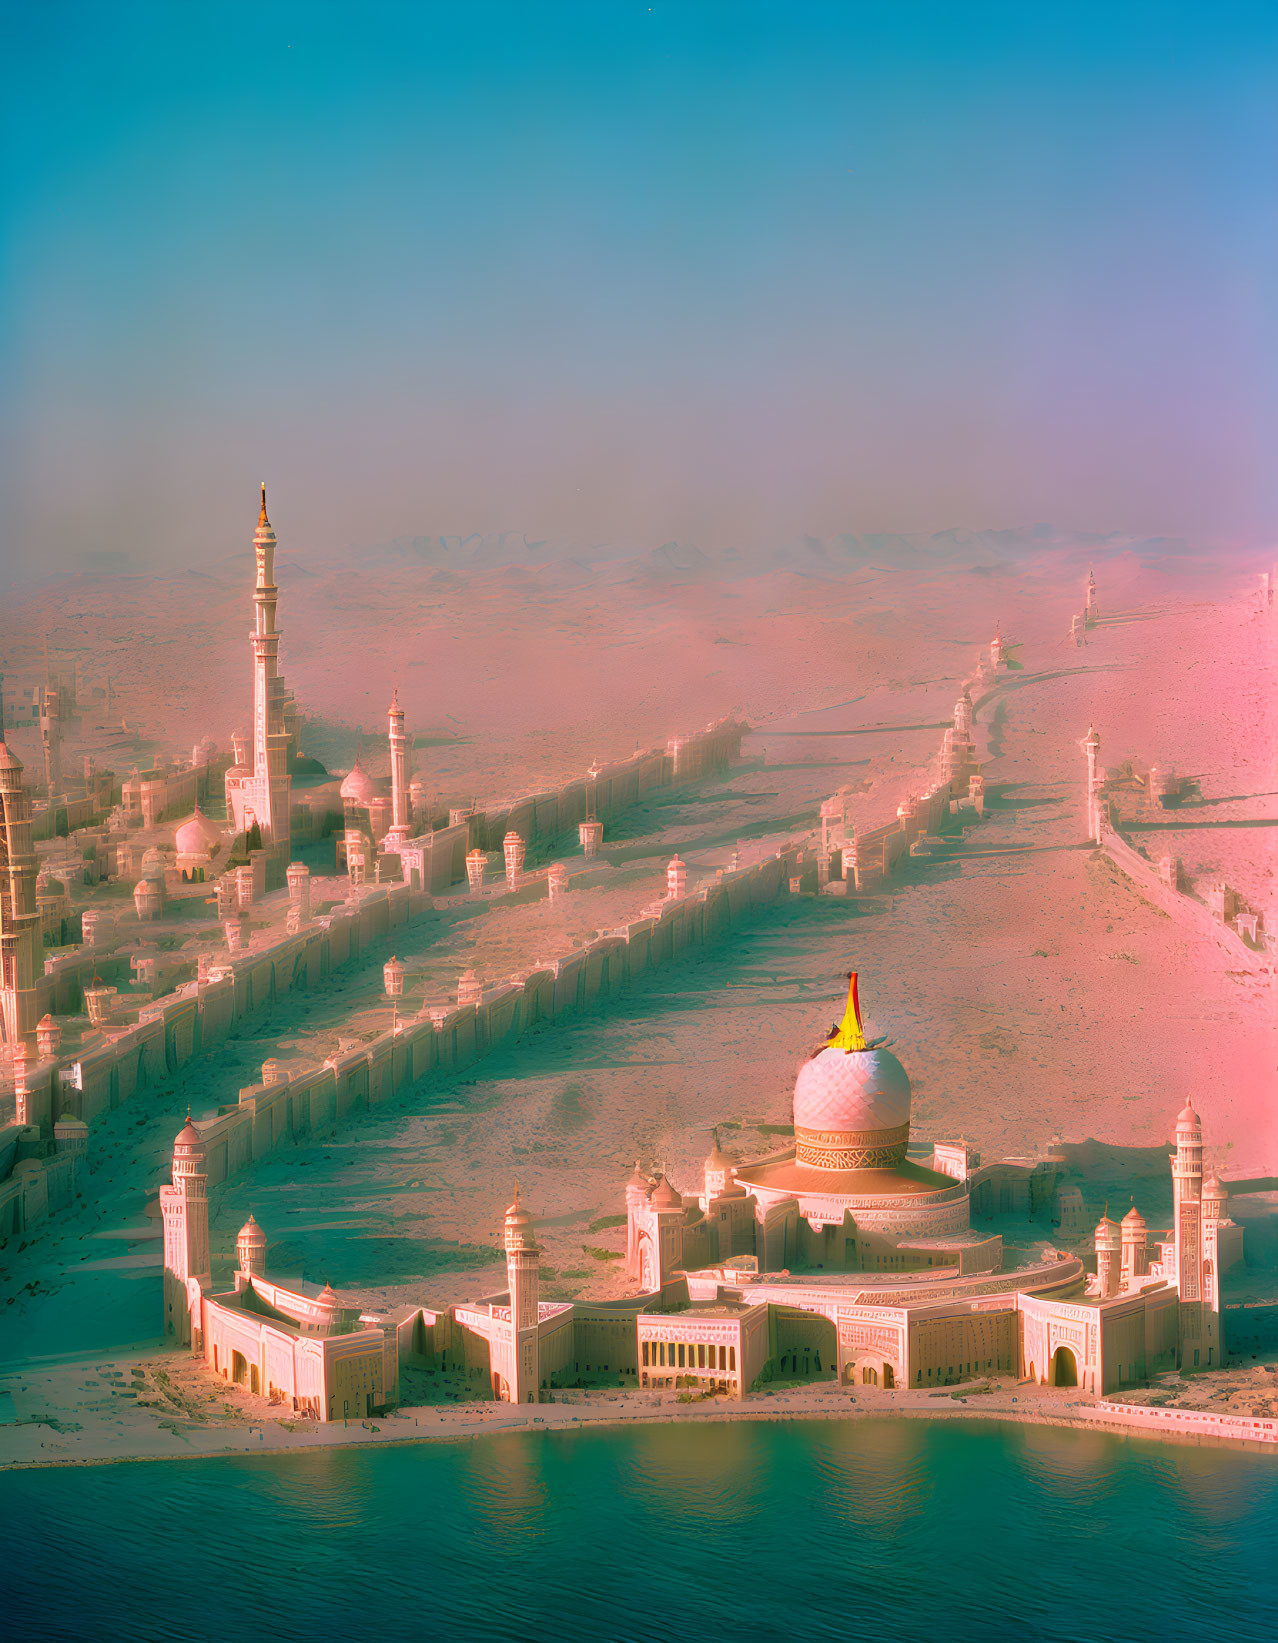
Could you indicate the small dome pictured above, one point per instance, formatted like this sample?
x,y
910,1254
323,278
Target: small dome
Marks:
x,y
1187,1118
1105,1228
250,1232
664,1195
188,1136
197,836
517,1215
357,787
1133,1218
1213,1187
327,1299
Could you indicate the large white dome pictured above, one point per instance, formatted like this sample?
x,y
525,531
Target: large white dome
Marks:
x,y
851,1110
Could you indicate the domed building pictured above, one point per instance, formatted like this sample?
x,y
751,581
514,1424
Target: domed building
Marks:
x,y
847,1197
195,841
850,1174
357,788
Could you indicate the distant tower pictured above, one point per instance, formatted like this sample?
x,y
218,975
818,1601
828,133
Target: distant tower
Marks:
x,y
720,1172
401,820
1109,1243
513,850
184,1207
1135,1246
299,893
19,916
676,878
1090,612
250,1248
51,736
1091,747
268,791
523,1261
996,648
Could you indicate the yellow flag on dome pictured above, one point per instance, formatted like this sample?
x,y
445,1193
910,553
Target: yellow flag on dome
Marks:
x,y
849,1034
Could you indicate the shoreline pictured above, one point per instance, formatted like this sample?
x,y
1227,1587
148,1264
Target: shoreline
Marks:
x,y
978,1407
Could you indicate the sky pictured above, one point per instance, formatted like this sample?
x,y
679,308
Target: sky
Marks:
x,y
719,273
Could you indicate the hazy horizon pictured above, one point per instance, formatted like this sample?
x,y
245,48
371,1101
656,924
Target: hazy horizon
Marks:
x,y
630,275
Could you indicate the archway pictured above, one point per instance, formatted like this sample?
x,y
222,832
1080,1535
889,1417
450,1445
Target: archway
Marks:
x,y
869,1376
1064,1367
239,1368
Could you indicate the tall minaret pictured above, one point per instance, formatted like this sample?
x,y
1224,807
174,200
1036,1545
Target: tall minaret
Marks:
x,y
184,1207
523,1261
19,917
401,826
1187,1183
1091,747
270,782
1089,610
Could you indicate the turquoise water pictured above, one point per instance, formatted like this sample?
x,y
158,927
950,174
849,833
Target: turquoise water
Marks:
x,y
894,1530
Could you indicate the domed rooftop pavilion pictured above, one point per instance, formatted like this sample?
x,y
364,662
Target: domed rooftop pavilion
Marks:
x,y
851,1124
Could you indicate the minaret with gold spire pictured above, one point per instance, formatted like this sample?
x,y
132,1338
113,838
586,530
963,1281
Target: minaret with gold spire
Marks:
x,y
267,793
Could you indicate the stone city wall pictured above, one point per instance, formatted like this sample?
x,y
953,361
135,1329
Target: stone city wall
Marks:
x,y
198,1015
1180,905
449,1038
1183,1422
607,790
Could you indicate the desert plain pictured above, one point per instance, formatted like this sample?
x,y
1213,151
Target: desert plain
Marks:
x,y
1033,992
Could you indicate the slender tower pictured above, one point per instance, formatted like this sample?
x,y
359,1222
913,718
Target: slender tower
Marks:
x,y
523,1263
270,786
1214,1198
184,1207
1187,1183
51,736
1108,1253
1089,610
19,916
1091,746
401,827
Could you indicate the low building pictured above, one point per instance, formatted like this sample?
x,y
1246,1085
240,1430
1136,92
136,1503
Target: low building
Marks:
x,y
718,1346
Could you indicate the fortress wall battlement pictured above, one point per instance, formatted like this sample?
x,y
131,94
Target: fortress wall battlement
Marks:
x,y
1180,905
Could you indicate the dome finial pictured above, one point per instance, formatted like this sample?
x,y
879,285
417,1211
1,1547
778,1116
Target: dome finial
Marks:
x,y
261,518
849,1035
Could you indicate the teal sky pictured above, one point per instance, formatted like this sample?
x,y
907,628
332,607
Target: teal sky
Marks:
x,y
612,272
